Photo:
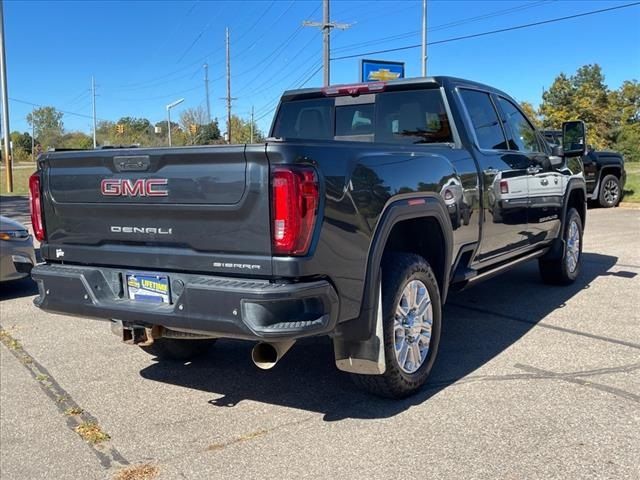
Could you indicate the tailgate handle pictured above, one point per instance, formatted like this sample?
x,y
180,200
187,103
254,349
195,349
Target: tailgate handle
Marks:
x,y
132,163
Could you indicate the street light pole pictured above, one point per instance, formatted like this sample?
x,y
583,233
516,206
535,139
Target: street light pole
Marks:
x,y
169,107
93,100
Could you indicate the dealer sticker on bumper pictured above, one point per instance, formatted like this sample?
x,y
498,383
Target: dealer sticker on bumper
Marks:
x,y
148,288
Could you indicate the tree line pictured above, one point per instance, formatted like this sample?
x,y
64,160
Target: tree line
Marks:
x,y
612,116
193,128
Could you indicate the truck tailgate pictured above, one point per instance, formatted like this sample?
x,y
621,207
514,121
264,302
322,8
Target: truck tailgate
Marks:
x,y
195,209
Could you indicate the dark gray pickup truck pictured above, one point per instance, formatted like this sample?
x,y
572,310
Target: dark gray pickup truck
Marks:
x,y
604,172
366,205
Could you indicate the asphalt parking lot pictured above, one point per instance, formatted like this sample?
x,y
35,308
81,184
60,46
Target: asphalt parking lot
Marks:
x,y
532,381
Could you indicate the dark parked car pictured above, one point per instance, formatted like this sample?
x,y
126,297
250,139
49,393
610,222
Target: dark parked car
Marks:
x,y
603,170
364,208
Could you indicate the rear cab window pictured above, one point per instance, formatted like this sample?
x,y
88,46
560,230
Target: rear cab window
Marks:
x,y
406,117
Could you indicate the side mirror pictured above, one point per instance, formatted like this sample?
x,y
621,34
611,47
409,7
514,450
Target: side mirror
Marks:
x,y
557,156
574,142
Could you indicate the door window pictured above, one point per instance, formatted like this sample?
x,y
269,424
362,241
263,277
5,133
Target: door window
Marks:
x,y
522,136
485,120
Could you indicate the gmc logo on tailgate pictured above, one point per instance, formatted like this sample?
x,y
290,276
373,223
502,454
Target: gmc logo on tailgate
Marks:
x,y
143,187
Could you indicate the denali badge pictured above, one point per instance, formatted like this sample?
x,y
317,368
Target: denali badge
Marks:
x,y
143,187
148,230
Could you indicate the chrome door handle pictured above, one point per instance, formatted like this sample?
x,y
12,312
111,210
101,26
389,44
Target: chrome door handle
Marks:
x,y
491,171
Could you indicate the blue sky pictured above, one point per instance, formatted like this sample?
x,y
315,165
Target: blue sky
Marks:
x,y
146,54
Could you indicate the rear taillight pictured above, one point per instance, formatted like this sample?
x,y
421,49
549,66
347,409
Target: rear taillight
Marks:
x,y
36,207
294,197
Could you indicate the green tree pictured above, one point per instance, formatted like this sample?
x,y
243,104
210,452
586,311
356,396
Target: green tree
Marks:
x,y
626,105
210,134
22,141
76,140
241,131
47,125
531,113
583,96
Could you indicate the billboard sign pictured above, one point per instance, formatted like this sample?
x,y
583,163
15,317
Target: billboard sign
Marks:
x,y
380,70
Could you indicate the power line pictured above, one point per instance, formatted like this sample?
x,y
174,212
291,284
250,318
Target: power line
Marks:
x,y
444,26
269,29
278,49
67,112
158,97
482,34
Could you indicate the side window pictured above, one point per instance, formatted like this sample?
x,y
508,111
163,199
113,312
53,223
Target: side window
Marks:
x,y
523,135
484,119
412,117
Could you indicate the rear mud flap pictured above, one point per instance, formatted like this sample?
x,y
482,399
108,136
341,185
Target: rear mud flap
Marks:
x,y
364,357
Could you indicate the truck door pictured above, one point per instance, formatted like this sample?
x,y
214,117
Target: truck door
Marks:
x,y
545,184
504,178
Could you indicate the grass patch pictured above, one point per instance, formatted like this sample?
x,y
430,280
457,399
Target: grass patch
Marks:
x,y
632,187
10,342
21,174
137,472
92,433
70,412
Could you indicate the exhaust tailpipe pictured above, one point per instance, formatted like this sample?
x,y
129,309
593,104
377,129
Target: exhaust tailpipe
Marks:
x,y
266,355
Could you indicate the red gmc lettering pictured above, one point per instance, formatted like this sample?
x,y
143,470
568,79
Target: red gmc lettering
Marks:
x,y
115,187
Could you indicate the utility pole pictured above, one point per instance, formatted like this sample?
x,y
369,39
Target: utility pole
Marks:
x,y
93,97
206,90
228,90
33,138
424,38
326,25
6,145
251,123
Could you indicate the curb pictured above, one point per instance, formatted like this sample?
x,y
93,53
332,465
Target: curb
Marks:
x,y
632,206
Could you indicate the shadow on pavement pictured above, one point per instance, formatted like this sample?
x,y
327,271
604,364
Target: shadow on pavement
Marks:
x,y
307,379
16,289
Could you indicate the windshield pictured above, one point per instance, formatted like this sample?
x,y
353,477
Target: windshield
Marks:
x,y
417,116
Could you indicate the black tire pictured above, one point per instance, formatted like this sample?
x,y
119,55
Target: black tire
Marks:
x,y
610,193
558,271
178,349
398,270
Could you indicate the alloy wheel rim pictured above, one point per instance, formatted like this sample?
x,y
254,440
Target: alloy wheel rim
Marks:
x,y
573,247
611,191
412,325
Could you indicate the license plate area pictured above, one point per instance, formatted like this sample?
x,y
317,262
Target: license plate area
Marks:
x,y
148,287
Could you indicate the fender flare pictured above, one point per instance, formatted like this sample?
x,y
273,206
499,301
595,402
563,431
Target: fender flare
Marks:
x,y
574,184
604,170
358,345
557,247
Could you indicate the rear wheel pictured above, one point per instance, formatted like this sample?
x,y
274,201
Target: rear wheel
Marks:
x,y
411,312
564,270
609,192
178,349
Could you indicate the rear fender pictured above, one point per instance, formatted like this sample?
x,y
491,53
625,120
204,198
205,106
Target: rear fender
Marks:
x,y
359,343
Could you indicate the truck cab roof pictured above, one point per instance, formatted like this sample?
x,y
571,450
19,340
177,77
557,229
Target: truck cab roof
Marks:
x,y
400,84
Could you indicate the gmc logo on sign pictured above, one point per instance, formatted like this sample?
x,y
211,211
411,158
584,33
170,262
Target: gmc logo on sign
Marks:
x,y
117,187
